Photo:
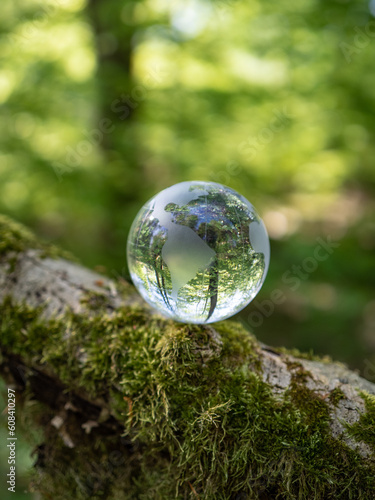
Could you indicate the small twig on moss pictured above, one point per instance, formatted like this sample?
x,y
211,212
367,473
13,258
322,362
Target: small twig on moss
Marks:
x,y
130,403
193,490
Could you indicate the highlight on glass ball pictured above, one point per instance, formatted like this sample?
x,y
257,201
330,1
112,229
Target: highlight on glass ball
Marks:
x,y
198,252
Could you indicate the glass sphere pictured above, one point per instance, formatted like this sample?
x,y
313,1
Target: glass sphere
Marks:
x,y
198,252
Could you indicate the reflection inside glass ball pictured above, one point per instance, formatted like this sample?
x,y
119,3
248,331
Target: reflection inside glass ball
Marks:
x,y
198,252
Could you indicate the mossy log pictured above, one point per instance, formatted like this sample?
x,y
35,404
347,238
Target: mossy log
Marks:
x,y
124,404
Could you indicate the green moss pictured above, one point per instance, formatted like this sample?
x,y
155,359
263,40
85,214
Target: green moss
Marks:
x,y
197,417
16,238
336,396
95,301
310,356
298,373
364,429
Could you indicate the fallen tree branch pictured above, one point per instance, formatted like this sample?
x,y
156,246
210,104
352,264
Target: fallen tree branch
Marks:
x,y
136,406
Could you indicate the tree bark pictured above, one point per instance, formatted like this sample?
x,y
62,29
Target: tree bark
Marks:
x,y
129,437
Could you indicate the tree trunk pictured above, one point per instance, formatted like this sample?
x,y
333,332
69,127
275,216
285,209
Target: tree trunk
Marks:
x,y
129,405
119,98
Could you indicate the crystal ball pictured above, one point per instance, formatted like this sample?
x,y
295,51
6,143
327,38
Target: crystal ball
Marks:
x,y
198,252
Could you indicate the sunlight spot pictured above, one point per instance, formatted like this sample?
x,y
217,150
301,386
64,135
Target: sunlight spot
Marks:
x,y
80,64
191,17
7,84
255,70
276,223
71,5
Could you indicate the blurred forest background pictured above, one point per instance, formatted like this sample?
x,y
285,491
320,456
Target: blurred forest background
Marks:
x,y
103,104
